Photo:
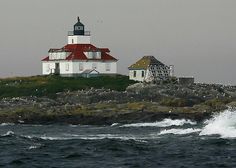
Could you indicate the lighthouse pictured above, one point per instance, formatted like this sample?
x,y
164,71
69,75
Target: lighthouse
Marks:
x,y
79,35
79,57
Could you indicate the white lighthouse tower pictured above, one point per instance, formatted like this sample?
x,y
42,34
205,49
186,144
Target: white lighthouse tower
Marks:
x,y
79,35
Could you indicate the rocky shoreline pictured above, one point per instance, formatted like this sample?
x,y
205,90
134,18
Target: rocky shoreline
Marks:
x,y
138,103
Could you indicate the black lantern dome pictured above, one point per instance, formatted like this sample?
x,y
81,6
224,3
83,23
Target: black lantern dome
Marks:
x,y
78,28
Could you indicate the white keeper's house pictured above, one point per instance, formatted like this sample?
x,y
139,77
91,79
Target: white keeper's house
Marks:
x,y
149,69
79,57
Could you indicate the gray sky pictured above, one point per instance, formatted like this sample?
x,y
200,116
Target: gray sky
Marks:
x,y
197,36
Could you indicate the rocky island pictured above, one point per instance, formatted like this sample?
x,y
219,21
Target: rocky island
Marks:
x,y
107,100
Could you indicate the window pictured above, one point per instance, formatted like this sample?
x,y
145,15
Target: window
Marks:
x,y
94,54
134,74
108,66
94,65
78,27
98,53
67,66
142,73
81,66
72,41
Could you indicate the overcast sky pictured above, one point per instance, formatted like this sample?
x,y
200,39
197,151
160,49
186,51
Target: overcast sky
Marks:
x,y
197,36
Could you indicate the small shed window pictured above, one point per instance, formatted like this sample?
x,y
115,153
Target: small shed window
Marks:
x,y
134,74
142,73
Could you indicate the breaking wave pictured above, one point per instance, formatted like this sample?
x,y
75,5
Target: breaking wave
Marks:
x,y
110,136
223,124
33,147
179,131
6,124
164,123
88,137
114,124
9,133
54,138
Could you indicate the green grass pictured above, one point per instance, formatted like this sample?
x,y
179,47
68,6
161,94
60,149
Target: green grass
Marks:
x,y
173,102
50,85
217,103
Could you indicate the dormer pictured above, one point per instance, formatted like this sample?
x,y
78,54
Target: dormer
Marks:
x,y
93,54
58,54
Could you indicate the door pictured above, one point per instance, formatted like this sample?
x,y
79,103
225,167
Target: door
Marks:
x,y
57,68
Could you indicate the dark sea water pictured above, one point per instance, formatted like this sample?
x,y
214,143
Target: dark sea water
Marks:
x,y
169,143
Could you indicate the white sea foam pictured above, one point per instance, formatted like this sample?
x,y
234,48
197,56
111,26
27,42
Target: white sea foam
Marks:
x,y
40,137
34,147
6,124
223,124
9,133
105,136
164,123
55,138
114,124
110,136
179,131
94,137
29,136
72,125
21,121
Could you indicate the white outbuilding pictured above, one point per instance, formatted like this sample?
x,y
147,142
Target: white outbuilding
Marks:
x,y
79,57
149,69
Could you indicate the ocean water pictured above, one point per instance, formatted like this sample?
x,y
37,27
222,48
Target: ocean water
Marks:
x,y
168,143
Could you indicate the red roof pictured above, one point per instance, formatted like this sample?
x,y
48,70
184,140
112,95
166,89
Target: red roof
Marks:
x,y
77,52
46,59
